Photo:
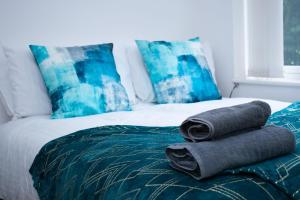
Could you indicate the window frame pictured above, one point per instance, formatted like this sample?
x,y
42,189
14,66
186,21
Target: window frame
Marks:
x,y
241,50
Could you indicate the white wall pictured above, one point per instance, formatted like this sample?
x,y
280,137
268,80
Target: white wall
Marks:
x,y
69,22
282,93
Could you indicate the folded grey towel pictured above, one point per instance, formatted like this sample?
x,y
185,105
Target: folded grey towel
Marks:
x,y
216,123
205,159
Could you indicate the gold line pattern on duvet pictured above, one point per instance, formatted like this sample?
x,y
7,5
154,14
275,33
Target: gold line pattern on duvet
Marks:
x,y
128,162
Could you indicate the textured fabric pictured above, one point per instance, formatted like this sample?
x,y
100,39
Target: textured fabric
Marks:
x,y
128,162
219,122
205,159
81,80
179,71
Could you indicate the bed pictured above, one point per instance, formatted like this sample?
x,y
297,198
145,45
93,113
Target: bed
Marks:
x,y
22,139
117,154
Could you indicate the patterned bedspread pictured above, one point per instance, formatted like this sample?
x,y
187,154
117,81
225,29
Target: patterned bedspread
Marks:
x,y
128,162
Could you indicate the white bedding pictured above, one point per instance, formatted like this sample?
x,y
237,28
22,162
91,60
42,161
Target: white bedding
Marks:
x,y
22,139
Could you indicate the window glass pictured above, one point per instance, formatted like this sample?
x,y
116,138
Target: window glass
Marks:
x,y
291,32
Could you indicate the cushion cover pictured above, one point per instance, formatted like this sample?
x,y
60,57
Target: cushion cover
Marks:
x,y
81,80
179,71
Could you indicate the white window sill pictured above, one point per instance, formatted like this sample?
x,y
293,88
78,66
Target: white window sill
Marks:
x,y
268,81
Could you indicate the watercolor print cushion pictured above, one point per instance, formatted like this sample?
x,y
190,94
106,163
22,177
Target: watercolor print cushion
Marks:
x,y
81,80
179,71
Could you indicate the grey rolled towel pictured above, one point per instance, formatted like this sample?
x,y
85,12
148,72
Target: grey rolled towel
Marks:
x,y
216,123
205,159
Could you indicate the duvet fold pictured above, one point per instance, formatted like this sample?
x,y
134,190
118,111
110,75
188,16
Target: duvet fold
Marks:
x,y
205,159
220,122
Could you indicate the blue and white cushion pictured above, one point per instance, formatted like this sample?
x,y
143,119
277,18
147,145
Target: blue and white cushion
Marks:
x,y
81,80
179,71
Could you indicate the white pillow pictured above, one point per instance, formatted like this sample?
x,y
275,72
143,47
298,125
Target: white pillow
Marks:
x,y
139,75
123,68
28,89
140,78
3,116
5,88
29,93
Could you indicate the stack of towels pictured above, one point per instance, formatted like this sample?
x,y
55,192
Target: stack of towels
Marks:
x,y
227,138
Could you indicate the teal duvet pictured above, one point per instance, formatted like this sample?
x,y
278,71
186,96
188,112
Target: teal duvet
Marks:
x,y
128,162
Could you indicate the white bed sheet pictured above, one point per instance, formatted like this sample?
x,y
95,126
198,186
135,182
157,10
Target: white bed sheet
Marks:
x,y
22,139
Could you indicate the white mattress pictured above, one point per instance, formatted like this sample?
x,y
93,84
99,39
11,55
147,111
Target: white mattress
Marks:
x,y
22,139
